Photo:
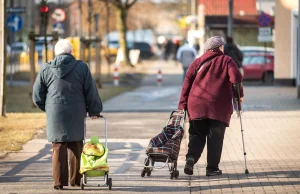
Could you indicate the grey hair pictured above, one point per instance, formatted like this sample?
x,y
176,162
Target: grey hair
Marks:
x,y
62,46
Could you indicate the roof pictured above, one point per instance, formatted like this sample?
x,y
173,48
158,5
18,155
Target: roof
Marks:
x,y
221,7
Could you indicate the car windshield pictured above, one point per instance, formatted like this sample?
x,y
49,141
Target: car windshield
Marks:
x,y
17,48
255,60
142,45
115,44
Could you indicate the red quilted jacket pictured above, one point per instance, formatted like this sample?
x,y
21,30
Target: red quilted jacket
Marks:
x,y
208,94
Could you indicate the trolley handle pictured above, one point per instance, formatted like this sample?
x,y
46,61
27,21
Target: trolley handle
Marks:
x,y
180,114
105,129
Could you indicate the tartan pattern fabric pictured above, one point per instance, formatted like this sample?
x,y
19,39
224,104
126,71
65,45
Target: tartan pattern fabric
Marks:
x,y
168,141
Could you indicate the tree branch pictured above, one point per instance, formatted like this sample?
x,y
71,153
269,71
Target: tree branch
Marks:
x,y
116,3
130,4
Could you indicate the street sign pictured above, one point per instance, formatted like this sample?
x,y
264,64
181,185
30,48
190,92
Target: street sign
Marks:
x,y
265,34
15,9
14,23
59,15
59,27
265,20
264,31
265,38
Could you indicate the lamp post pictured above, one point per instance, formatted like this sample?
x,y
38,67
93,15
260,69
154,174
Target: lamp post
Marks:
x,y
230,18
298,54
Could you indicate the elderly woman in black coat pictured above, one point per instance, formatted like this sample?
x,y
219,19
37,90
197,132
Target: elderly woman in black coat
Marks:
x,y
66,91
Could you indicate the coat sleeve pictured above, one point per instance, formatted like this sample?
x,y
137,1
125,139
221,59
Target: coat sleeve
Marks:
x,y
235,76
187,84
39,92
92,98
178,54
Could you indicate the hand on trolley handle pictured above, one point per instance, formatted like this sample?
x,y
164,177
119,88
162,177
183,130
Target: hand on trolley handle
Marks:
x,y
96,117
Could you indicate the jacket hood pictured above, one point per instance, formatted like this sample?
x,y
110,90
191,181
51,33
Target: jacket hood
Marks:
x,y
62,64
229,45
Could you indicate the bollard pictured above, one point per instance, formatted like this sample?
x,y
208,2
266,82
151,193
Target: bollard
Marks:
x,y
159,77
116,76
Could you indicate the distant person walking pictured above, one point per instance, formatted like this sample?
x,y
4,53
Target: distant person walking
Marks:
x,y
66,91
207,97
186,54
196,46
168,49
234,52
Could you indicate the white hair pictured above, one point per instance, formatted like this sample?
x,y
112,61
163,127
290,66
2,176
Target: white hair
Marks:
x,y
62,46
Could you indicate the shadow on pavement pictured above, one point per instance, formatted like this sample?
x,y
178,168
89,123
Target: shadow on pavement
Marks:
x,y
10,175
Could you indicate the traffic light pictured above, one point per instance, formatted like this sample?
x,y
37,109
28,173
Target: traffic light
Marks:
x,y
44,13
44,9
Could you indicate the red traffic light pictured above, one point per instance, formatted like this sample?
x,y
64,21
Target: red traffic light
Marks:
x,y
44,9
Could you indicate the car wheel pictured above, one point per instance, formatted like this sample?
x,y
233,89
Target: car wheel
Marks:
x,y
268,77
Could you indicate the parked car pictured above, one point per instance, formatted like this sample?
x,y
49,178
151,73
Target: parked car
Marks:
x,y
146,50
256,49
40,45
258,66
19,47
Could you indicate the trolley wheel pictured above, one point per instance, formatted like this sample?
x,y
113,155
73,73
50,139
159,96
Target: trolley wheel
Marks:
x,y
81,184
143,172
172,175
176,174
149,172
109,183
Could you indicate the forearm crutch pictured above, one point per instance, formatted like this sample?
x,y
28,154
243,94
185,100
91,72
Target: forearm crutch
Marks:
x,y
237,87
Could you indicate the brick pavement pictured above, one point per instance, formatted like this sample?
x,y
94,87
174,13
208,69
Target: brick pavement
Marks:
x,y
271,122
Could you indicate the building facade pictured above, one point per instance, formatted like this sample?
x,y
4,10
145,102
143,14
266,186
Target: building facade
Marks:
x,y
286,20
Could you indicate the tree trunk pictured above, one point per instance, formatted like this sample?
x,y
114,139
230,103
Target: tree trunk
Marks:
x,y
122,28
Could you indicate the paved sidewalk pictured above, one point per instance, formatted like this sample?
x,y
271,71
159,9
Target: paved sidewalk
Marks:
x,y
271,122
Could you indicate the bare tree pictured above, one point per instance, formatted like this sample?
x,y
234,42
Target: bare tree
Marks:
x,y
122,8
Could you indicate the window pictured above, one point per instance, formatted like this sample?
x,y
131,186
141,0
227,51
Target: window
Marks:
x,y
259,60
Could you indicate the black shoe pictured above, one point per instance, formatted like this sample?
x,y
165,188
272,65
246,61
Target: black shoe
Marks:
x,y
213,172
58,187
188,169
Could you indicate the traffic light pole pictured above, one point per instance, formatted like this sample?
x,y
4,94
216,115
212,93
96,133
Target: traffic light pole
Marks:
x,y
90,30
2,57
44,9
298,55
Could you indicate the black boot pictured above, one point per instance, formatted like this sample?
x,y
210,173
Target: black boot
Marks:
x,y
213,172
58,187
188,169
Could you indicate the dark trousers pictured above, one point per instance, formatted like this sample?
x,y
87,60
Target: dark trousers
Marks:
x,y
184,73
213,131
60,162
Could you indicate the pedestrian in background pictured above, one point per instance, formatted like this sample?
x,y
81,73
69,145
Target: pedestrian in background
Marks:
x,y
176,46
168,49
186,54
207,97
66,91
196,46
234,52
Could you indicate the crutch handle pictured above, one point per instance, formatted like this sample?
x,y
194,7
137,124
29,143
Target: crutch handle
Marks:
x,y
237,88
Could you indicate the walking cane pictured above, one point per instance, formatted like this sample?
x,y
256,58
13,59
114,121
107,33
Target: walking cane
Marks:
x,y
239,109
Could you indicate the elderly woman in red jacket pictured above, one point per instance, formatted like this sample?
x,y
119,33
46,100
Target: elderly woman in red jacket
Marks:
x,y
207,96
